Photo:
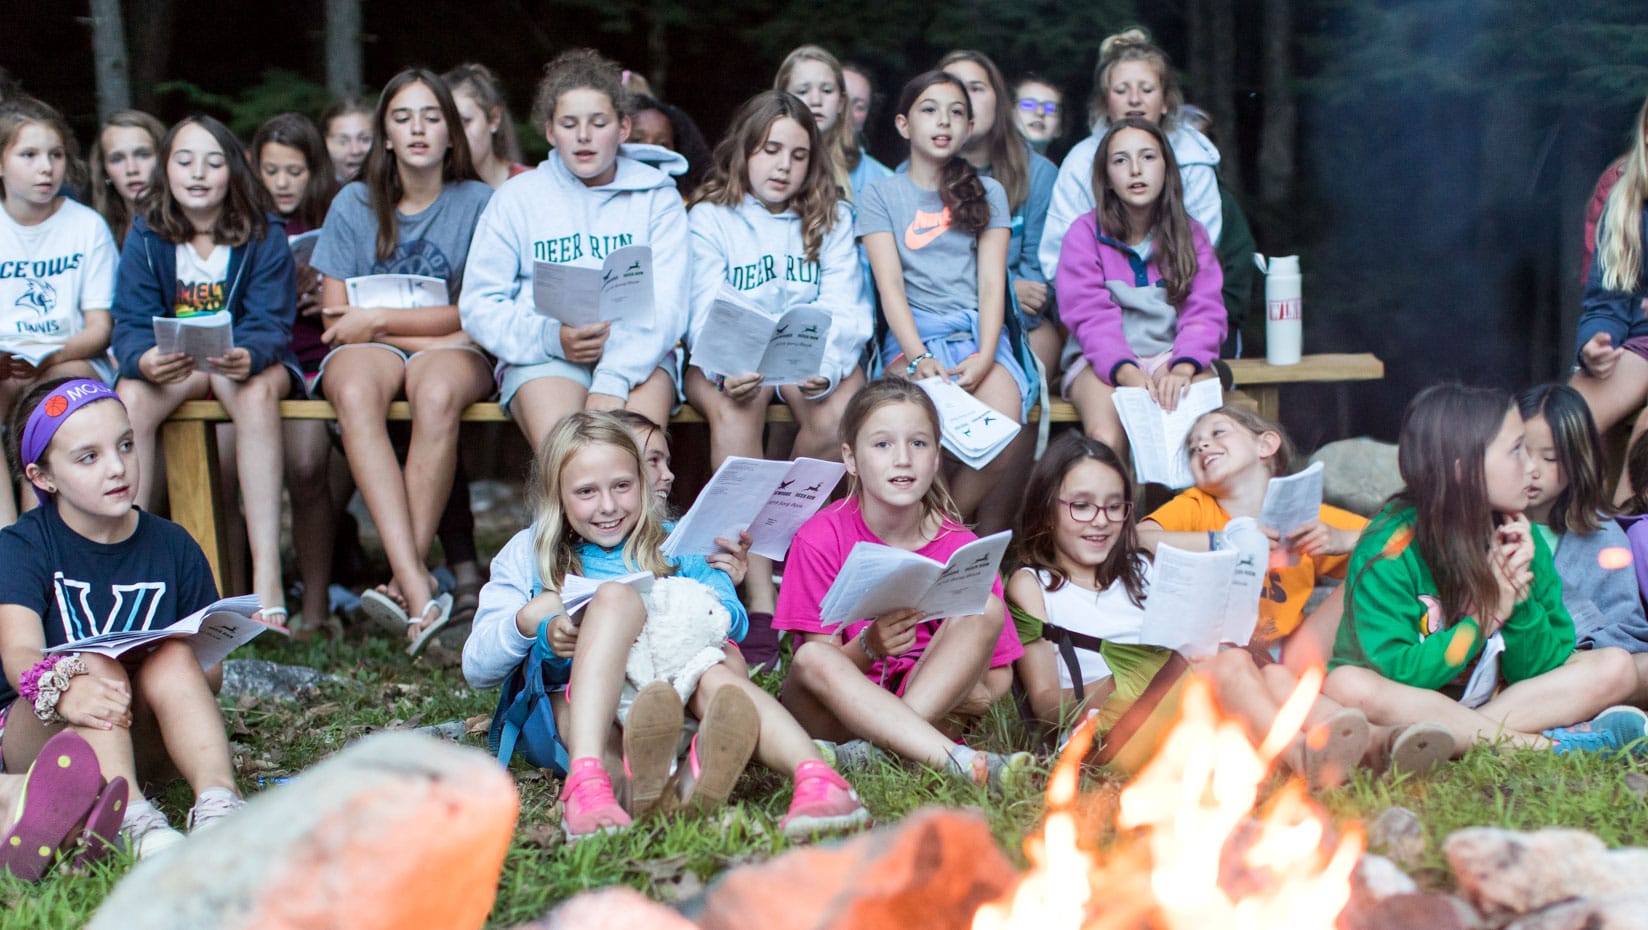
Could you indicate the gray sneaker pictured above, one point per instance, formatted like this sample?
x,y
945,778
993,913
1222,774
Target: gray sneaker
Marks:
x,y
146,831
213,805
852,756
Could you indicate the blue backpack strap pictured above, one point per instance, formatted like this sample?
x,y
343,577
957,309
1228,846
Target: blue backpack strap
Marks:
x,y
524,720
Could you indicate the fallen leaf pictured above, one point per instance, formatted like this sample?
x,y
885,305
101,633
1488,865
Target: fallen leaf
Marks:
x,y
480,723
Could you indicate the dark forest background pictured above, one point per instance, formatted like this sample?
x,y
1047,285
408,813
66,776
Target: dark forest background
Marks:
x,y
1430,162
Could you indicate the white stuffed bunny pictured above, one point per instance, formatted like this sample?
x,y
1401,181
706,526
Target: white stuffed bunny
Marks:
x,y
683,637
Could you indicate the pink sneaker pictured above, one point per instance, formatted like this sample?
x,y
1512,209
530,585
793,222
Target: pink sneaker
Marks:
x,y
823,802
589,805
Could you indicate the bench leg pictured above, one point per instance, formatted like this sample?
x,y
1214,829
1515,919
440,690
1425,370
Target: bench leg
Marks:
x,y
1267,396
191,481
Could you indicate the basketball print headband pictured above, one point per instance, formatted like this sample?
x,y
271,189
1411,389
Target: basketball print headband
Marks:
x,y
53,412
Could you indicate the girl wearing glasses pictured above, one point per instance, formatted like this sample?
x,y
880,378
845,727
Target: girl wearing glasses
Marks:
x,y
1080,569
1039,111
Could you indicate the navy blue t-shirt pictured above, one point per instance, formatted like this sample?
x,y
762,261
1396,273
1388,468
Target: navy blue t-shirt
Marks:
x,y
81,588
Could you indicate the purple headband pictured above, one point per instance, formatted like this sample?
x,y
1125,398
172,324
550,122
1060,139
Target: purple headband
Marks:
x,y
53,412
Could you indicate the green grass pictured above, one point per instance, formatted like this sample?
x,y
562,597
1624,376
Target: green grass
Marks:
x,y
674,857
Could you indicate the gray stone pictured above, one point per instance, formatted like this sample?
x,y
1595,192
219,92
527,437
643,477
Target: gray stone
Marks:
x,y
452,730
1616,912
1377,877
1410,912
396,831
260,678
1359,474
1398,834
1507,872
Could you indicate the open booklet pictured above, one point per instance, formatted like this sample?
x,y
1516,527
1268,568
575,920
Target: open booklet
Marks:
x,y
396,291
1157,437
577,591
213,632
972,430
742,338
878,579
1199,600
204,336
621,287
1293,501
32,352
769,499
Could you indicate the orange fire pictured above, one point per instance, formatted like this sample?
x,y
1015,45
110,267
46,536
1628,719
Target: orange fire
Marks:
x,y
1196,859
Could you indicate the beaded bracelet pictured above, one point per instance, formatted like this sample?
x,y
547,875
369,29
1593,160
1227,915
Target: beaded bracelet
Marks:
x,y
44,683
864,643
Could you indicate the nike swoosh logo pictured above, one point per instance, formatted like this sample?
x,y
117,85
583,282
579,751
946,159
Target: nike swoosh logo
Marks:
x,y
917,239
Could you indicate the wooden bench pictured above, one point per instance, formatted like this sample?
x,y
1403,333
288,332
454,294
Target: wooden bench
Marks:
x,y
190,442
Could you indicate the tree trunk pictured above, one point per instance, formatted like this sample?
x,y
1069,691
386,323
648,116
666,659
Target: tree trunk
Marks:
x,y
151,47
1281,120
1219,96
658,55
114,80
344,70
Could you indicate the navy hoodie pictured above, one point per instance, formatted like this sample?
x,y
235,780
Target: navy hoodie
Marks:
x,y
263,296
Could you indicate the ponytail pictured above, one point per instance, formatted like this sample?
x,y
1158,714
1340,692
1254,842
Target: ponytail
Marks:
x,y
962,191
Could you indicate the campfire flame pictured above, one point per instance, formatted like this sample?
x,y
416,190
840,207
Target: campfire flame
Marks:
x,y
1195,857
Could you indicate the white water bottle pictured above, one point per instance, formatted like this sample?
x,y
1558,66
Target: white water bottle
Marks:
x,y
1284,329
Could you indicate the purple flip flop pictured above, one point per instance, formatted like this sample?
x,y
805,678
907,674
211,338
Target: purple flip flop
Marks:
x,y
102,831
59,790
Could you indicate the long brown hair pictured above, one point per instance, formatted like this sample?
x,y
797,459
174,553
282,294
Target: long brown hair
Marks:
x,y
840,144
1009,152
815,197
296,131
482,84
880,393
105,199
1583,504
553,542
241,218
1636,472
1173,245
1039,516
1445,436
21,111
382,171
959,186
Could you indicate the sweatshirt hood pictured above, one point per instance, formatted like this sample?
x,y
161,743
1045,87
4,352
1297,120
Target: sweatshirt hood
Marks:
x,y
652,170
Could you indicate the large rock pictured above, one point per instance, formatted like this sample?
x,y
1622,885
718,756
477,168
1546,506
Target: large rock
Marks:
x,y
1618,912
260,678
611,908
1507,872
1359,474
1411,912
932,870
1398,833
397,831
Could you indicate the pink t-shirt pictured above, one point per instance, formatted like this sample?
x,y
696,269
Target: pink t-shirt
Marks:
x,y
820,549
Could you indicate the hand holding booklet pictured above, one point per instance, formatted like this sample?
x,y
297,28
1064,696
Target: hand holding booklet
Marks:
x,y
577,591
1157,437
877,579
972,430
1293,501
202,337
396,291
740,338
621,287
213,632
1200,600
769,499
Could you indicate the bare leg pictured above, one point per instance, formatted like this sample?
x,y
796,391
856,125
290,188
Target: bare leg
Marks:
x,y
611,622
147,405
25,734
653,397
953,664
1100,420
1590,680
254,405
540,403
819,421
970,487
1047,344
175,688
308,450
783,744
1390,703
830,697
1312,643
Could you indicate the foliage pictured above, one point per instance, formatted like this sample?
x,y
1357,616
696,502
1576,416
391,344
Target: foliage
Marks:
x,y
276,91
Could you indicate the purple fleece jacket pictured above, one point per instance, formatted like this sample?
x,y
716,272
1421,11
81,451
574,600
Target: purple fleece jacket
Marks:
x,y
1087,260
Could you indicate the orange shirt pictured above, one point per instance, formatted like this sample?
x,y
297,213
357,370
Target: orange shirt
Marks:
x,y
1287,587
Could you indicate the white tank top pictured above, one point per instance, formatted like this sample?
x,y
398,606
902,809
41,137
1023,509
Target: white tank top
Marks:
x,y
1100,614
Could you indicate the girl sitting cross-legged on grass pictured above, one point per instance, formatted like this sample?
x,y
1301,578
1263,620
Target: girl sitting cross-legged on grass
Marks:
x,y
891,680
73,568
596,517
1452,564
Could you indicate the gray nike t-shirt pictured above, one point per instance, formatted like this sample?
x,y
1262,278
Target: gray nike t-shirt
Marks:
x,y
940,263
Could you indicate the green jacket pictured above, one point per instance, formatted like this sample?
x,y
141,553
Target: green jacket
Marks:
x,y
1394,624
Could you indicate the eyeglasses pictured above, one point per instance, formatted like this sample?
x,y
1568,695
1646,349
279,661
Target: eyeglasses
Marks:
x,y
1087,511
1044,107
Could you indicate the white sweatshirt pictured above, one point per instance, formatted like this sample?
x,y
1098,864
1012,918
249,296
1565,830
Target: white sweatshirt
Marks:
x,y
496,645
548,214
761,255
1073,191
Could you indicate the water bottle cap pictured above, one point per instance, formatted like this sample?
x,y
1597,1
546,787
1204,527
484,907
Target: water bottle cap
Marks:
x,y
1284,265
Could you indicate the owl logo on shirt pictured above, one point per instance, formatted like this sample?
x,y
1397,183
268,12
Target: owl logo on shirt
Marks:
x,y
39,296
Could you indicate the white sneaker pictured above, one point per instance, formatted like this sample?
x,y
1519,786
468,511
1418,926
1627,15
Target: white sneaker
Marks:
x,y
146,831
213,805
